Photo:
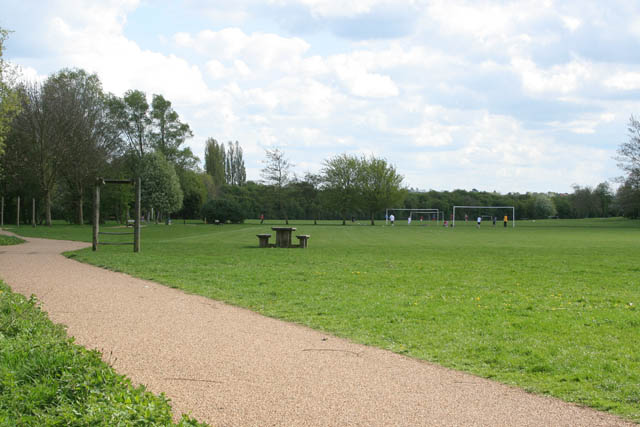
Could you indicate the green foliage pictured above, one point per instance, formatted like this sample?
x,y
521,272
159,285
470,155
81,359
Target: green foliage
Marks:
x,y
214,161
379,184
130,116
160,185
340,180
550,306
195,194
222,210
9,97
168,132
9,240
235,173
45,379
542,206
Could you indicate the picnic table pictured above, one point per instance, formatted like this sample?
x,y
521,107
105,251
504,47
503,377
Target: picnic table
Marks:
x,y
283,236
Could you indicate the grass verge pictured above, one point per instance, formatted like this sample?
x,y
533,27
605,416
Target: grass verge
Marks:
x,y
46,379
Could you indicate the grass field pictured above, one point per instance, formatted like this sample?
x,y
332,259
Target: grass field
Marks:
x,y
550,306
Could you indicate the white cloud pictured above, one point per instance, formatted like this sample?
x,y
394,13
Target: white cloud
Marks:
x,y
260,50
560,79
571,23
345,8
626,80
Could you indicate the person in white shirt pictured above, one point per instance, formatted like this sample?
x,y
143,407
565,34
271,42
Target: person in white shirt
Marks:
x,y
479,221
392,218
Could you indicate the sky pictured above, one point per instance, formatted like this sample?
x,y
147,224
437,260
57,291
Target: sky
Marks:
x,y
506,96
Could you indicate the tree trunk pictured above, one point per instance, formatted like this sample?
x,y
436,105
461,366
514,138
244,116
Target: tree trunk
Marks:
x,y
80,218
372,220
47,203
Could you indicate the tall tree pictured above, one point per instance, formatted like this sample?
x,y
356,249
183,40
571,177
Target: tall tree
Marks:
x,y
629,152
90,140
277,173
167,133
40,133
235,173
340,177
131,117
629,161
214,161
379,184
9,102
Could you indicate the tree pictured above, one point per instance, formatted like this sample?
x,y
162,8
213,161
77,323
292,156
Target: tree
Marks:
x,y
214,161
40,135
629,161
629,152
628,195
89,137
277,173
9,101
541,206
340,182
130,115
379,185
167,131
235,173
160,185
194,193
604,197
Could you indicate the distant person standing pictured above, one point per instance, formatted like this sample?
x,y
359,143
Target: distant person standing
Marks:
x,y
409,220
479,221
506,220
261,218
494,221
392,218
466,218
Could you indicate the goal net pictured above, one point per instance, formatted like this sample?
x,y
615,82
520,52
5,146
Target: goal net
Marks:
x,y
487,212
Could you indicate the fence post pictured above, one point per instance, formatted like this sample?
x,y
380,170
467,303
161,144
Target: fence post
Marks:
x,y
2,213
96,215
33,212
18,214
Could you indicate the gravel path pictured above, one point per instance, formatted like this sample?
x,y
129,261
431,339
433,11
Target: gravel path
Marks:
x,y
231,367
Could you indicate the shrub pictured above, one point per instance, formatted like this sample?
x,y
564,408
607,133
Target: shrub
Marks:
x,y
223,210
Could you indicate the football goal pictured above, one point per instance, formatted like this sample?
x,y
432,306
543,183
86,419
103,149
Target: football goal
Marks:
x,y
482,212
428,214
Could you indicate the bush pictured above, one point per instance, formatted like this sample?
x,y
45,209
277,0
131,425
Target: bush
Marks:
x,y
46,379
223,210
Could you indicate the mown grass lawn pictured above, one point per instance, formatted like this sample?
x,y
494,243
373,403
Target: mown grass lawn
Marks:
x,y
550,306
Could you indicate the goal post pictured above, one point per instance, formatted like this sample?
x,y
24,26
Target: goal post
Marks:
x,y
439,215
513,212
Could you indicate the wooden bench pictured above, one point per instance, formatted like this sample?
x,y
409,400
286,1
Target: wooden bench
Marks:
x,y
131,222
264,240
303,238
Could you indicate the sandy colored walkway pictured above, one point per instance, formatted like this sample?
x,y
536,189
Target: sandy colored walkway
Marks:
x,y
231,367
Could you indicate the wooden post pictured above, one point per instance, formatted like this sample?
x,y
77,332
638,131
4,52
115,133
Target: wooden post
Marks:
x,y
33,212
18,214
2,213
136,231
96,216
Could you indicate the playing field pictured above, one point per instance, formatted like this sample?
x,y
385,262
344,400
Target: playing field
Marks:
x,y
551,306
